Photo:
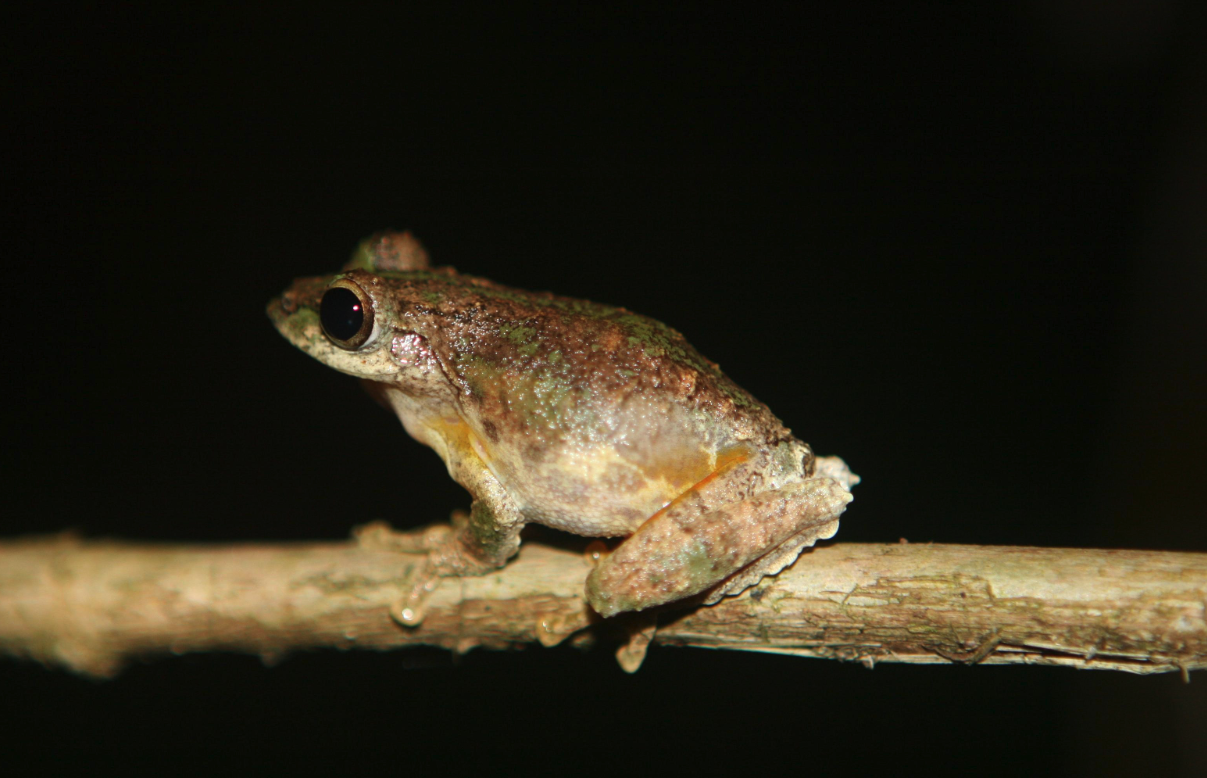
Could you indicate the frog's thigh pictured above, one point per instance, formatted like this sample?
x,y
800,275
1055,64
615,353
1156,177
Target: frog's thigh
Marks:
x,y
773,561
680,552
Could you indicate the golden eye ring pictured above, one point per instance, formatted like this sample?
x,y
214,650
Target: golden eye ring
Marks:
x,y
346,313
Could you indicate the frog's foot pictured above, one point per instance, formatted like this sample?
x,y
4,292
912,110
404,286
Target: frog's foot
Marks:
x,y
680,551
445,555
445,561
380,536
834,467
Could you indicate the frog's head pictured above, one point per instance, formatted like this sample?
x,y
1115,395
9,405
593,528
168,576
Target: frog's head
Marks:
x,y
355,321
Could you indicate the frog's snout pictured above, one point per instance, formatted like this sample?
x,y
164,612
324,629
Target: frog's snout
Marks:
x,y
302,293
279,310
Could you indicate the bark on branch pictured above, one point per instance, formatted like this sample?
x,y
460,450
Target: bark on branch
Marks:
x,y
91,606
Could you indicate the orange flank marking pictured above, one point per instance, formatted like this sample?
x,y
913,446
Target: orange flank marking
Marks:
x,y
726,461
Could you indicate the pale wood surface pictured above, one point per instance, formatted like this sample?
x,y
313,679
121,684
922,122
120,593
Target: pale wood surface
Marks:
x,y
91,606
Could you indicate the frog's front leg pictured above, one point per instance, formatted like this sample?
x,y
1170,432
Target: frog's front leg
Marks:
x,y
474,544
694,544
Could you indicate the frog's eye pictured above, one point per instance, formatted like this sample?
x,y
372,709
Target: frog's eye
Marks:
x,y
346,314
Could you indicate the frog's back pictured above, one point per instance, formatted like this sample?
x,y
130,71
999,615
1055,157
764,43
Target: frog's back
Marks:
x,y
503,341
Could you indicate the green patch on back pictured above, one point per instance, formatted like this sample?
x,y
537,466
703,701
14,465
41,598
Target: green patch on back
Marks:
x,y
658,340
516,333
545,399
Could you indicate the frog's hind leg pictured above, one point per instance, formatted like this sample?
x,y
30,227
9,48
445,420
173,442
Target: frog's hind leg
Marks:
x,y
773,562
691,546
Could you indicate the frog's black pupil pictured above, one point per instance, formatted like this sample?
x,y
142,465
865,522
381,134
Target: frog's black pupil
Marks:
x,y
341,313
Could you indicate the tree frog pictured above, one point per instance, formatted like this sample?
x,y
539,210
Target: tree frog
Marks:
x,y
579,416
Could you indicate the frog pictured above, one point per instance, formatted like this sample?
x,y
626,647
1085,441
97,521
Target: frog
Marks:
x,y
574,415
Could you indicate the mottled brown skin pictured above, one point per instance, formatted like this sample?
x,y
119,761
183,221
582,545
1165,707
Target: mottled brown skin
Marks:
x,y
579,416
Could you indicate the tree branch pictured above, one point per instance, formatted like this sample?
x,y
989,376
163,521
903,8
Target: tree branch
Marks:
x,y
91,606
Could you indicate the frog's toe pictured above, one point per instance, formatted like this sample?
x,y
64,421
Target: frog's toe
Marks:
x,y
641,634
407,613
410,610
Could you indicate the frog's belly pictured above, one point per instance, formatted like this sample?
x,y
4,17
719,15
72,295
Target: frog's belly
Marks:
x,y
603,491
606,467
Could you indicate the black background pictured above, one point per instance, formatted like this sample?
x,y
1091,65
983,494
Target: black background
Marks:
x,y
963,249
